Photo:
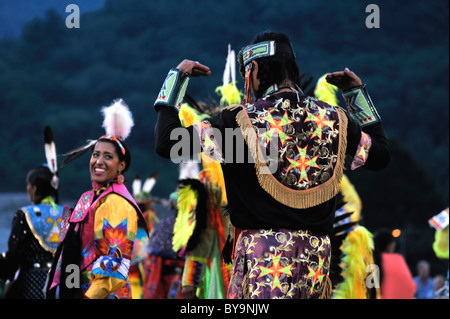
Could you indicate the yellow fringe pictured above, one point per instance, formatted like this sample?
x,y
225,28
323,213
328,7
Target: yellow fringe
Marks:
x,y
327,289
283,194
245,287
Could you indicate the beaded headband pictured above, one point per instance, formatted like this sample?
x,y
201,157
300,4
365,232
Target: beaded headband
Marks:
x,y
113,139
263,49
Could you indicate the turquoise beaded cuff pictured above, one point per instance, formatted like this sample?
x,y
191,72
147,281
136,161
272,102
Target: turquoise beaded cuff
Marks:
x,y
360,106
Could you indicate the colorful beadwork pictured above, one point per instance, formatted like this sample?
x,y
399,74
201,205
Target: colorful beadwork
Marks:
x,y
361,107
208,141
193,271
82,207
362,151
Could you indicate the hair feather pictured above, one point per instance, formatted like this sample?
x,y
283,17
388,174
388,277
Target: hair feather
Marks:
x,y
118,119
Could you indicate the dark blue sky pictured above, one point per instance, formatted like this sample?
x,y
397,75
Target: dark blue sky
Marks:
x,y
14,13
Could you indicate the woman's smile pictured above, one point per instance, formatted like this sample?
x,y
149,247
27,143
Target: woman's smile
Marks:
x,y
104,163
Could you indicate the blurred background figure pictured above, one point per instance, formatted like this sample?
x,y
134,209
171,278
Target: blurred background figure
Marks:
x,y
440,247
145,200
34,231
162,266
425,284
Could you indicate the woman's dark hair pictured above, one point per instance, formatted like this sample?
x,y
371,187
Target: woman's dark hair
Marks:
x,y
122,157
41,177
274,69
382,239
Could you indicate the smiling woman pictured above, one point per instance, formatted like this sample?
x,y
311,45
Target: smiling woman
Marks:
x,y
98,234
105,164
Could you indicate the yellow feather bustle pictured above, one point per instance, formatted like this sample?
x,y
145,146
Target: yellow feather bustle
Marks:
x,y
185,222
189,116
358,255
230,94
351,198
357,248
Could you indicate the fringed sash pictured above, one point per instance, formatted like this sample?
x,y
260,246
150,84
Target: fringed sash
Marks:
x,y
312,140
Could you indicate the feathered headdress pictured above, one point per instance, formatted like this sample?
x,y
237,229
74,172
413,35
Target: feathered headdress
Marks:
x,y
143,190
118,120
230,93
117,123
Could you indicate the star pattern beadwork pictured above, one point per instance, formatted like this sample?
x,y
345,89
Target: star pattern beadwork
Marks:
x,y
209,144
316,275
276,271
114,238
321,120
302,163
276,127
282,130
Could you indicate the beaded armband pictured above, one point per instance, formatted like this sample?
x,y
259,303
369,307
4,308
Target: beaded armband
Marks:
x,y
173,89
361,107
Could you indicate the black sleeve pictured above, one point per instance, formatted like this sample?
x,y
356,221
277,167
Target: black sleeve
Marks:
x,y
378,157
167,123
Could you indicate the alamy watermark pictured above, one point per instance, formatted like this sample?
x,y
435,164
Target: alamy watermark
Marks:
x,y
373,277
73,19
73,277
233,142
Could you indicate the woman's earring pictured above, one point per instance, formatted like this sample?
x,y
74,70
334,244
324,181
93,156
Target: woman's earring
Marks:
x,y
120,179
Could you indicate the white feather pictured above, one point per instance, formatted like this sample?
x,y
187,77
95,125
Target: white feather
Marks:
x,y
118,119
226,72
189,169
148,185
136,186
233,67
50,154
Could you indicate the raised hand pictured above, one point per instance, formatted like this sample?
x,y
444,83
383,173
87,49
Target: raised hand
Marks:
x,y
344,80
194,68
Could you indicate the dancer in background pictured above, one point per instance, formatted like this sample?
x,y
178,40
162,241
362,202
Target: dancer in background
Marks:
x,y
35,231
99,233
440,246
395,279
145,201
203,196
